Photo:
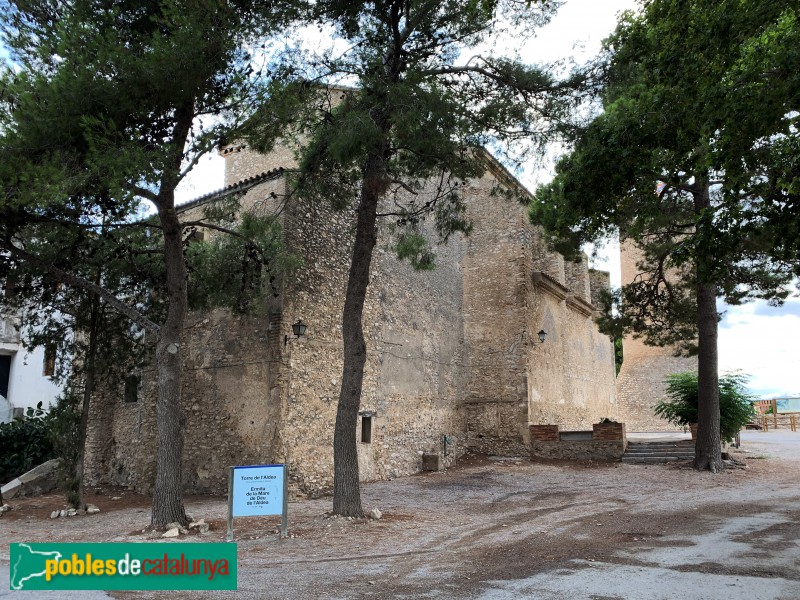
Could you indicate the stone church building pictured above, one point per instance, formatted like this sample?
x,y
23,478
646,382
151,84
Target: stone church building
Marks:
x,y
454,361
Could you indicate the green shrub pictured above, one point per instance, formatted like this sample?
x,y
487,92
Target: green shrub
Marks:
x,y
25,443
735,403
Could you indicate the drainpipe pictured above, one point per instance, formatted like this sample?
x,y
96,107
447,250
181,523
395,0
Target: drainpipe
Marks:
x,y
446,439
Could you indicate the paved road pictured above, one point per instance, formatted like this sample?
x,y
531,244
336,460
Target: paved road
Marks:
x,y
8,594
776,443
656,572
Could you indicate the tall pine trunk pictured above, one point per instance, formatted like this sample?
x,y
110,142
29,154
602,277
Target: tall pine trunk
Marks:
x,y
88,389
708,451
346,491
168,490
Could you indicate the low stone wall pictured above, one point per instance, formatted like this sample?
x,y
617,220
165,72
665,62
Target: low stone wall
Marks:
x,y
578,450
608,442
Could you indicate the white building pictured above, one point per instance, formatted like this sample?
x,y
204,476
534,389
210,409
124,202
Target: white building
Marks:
x,y
25,377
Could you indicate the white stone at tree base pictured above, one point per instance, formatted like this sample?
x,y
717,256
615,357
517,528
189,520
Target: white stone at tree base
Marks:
x,y
200,525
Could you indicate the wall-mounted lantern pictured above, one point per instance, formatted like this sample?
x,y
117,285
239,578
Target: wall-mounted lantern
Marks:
x,y
298,329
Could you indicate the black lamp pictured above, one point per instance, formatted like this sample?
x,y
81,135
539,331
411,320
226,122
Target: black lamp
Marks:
x,y
298,329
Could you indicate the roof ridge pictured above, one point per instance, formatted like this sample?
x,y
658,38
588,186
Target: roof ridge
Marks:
x,y
240,186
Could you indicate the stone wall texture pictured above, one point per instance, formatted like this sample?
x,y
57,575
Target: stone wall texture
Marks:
x,y
453,361
579,450
640,383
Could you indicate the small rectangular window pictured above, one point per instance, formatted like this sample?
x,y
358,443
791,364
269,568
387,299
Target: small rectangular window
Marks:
x,y
49,367
8,286
5,375
196,236
131,389
366,429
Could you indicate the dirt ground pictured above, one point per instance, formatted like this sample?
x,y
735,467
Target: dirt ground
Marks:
x,y
496,530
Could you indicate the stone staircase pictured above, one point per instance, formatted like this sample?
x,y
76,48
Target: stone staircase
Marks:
x,y
658,452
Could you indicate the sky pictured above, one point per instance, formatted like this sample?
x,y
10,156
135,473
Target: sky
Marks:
x,y
755,338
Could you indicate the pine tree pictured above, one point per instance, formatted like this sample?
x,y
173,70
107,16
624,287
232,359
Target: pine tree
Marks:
x,y
694,158
107,105
417,110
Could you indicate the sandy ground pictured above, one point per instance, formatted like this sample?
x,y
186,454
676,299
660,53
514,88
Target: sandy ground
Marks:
x,y
497,530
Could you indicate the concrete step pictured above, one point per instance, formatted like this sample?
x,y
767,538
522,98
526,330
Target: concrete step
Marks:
x,y
675,443
641,446
645,460
673,453
660,448
658,452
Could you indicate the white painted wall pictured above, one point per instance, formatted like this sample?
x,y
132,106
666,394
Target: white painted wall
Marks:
x,y
27,384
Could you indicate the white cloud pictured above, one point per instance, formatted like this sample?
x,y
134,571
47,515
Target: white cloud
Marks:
x,y
762,341
208,175
577,30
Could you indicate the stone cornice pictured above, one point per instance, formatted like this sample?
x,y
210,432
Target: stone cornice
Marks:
x,y
580,305
550,285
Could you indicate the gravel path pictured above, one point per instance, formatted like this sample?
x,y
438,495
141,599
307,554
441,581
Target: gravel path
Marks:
x,y
503,529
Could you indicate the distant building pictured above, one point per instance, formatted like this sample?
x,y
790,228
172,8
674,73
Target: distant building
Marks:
x,y
783,404
25,377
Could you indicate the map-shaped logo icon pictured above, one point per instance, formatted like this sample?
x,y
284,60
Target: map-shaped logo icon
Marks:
x,y
28,564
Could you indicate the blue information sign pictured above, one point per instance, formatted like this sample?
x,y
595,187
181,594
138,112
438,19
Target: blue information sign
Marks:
x,y
258,490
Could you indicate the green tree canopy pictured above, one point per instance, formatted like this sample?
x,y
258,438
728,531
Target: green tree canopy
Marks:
x,y
427,90
105,106
693,159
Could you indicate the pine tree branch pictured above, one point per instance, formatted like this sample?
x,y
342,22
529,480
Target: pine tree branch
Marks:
x,y
145,193
77,281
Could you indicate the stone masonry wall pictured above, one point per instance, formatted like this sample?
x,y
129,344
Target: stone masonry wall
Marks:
x,y
496,332
414,370
570,376
576,278
599,281
640,384
230,418
452,353
230,379
515,380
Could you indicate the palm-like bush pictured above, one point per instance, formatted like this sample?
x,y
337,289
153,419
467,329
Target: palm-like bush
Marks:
x,y
735,403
